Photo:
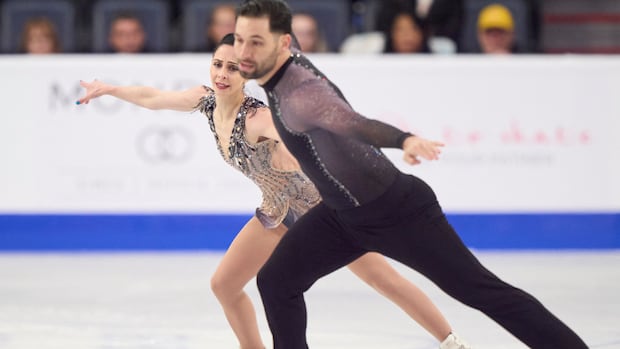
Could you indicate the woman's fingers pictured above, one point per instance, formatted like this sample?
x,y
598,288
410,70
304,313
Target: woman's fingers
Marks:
x,y
90,93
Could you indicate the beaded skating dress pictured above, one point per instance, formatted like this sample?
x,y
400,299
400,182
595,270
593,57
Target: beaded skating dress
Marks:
x,y
286,194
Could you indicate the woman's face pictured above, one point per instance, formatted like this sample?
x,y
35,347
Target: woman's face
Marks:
x,y
406,35
225,77
39,41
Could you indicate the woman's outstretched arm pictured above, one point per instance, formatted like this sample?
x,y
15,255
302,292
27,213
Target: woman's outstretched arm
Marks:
x,y
145,96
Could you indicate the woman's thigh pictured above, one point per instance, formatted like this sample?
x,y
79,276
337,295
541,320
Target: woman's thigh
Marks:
x,y
247,253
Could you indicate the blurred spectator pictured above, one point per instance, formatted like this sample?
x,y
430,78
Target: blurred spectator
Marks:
x,y
127,34
363,43
439,20
221,22
444,19
534,26
405,33
306,29
39,36
398,29
496,30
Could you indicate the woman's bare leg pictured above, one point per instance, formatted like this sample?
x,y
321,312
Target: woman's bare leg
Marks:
x,y
241,262
252,247
375,270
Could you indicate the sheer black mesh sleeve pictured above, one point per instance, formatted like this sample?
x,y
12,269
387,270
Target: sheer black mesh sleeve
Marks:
x,y
337,148
317,106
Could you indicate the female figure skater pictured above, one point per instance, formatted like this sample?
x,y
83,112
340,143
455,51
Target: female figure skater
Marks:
x,y
248,141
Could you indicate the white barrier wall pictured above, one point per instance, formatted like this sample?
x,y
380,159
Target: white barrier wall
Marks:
x,y
523,134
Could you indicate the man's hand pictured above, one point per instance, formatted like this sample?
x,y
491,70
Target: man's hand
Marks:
x,y
415,147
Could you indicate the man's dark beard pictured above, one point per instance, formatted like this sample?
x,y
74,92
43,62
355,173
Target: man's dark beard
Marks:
x,y
256,74
259,73
247,75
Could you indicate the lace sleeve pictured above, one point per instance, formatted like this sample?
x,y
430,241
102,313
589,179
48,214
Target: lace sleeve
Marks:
x,y
208,90
205,105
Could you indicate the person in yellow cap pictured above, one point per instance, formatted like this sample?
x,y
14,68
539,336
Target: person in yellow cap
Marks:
x,y
496,30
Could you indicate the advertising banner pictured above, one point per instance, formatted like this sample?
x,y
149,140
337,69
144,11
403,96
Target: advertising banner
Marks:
x,y
524,135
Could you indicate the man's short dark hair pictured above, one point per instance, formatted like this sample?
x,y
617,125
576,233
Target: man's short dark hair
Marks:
x,y
278,12
125,15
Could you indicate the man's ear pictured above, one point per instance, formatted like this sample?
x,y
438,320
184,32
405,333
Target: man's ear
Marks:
x,y
285,41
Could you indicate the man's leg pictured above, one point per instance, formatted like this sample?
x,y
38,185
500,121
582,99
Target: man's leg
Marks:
x,y
420,236
313,247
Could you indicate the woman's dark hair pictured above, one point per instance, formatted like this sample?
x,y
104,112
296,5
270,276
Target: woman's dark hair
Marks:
x,y
404,11
278,12
228,39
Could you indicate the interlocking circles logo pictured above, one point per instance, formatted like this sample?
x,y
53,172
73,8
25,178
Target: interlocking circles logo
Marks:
x,y
165,144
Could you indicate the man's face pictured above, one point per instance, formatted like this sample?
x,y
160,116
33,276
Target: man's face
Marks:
x,y
306,31
496,41
256,47
127,36
223,23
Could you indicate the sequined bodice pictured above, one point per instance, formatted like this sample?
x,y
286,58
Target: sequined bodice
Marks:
x,y
282,191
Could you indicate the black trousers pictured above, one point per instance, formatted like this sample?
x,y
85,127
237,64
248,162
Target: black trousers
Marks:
x,y
407,224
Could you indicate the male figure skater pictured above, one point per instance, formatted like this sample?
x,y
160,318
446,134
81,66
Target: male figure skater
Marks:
x,y
368,204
